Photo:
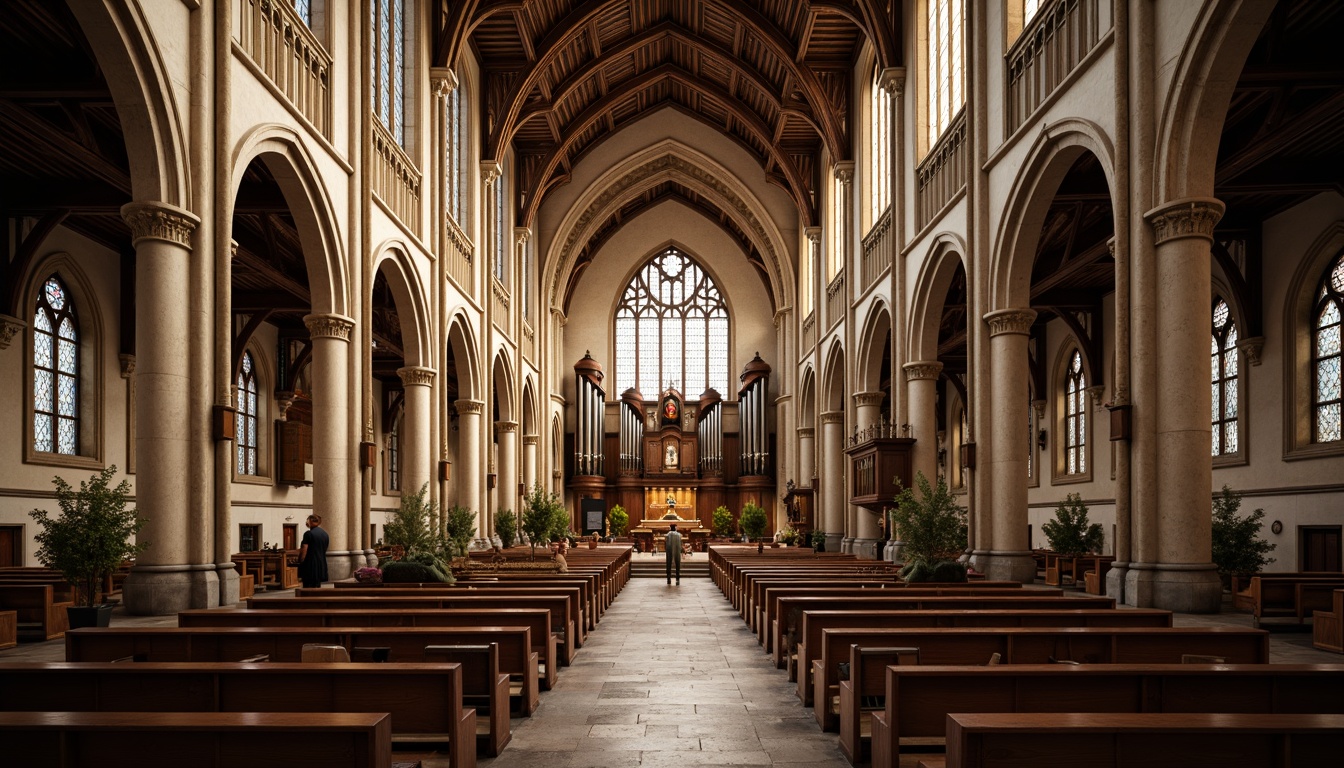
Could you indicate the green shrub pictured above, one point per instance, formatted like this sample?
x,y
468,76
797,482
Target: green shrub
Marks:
x,y
413,540
539,516
753,520
506,527
723,522
949,571
1237,547
932,528
818,539
460,528
617,521
1069,533
413,572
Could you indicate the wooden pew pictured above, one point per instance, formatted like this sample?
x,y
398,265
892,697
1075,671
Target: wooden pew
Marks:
x,y
1328,626
793,607
814,623
9,629
1030,645
1290,597
407,644
40,615
198,739
545,642
558,605
424,701
917,699
486,689
1192,740
589,597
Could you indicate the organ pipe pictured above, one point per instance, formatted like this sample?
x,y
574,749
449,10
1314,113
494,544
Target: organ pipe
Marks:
x,y
752,410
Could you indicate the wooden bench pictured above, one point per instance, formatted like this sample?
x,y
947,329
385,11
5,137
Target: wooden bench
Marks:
x,y
558,606
485,690
9,629
425,701
198,739
916,700
406,644
814,623
791,608
545,642
587,585
1290,597
1110,739
39,615
1328,626
1030,645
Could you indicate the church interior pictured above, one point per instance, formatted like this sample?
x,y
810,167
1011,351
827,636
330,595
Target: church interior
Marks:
x,y
271,258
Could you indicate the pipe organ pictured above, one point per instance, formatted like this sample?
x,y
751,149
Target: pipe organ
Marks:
x,y
589,399
710,433
752,413
632,433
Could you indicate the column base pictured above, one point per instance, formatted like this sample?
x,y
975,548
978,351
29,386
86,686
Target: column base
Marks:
x,y
847,545
865,548
1005,566
159,590
833,541
227,576
342,565
894,552
1184,588
370,558
1115,582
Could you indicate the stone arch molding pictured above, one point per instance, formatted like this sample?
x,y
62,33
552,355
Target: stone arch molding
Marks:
x,y
408,293
1052,154
309,202
946,251
664,161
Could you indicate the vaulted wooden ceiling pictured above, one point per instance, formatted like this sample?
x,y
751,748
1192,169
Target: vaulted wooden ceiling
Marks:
x,y
561,76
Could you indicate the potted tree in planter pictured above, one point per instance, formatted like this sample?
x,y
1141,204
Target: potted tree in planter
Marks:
x,y
1070,533
89,540
506,527
460,527
417,549
723,523
617,521
933,528
539,516
1238,549
753,520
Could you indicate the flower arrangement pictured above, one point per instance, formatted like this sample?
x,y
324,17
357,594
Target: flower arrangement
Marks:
x,y
369,575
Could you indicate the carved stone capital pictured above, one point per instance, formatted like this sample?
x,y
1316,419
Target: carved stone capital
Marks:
x,y
10,327
1015,321
844,171
521,235
465,407
813,235
490,170
782,316
128,366
865,399
832,417
283,400
807,433
1039,407
892,80
416,376
531,439
506,426
329,326
442,81
1190,217
160,221
558,316
921,370
1252,348
1095,392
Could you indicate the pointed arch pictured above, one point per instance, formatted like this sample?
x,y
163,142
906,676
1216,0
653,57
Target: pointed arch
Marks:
x,y
834,393
392,259
501,382
807,409
465,358
874,342
946,252
529,414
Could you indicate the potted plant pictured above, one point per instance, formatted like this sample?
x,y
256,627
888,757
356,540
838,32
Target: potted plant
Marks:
x,y
506,527
723,523
91,538
617,520
753,520
541,511
1238,549
460,527
819,540
1070,533
933,529
417,549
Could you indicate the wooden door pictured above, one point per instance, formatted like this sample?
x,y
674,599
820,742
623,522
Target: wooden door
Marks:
x,y
1320,547
291,536
11,545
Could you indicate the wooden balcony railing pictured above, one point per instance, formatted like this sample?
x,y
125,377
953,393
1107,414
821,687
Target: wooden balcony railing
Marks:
x,y
396,181
283,47
809,331
877,248
942,173
529,342
835,299
459,254
1051,46
499,304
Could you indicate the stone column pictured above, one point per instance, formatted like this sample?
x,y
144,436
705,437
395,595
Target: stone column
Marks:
x,y
332,454
1009,556
163,581
921,381
529,461
506,491
1183,578
807,462
867,530
833,477
467,473
418,398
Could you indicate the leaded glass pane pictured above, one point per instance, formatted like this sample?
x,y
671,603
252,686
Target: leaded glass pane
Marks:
x,y
1220,313
696,328
625,353
240,464
65,439
1216,408
41,322
42,391
1337,277
1073,462
399,71
55,294
1327,341
384,60
1230,398
1329,315
67,356
65,395
672,351
42,349
42,433
1230,363
718,353
1327,380
305,10
649,355
1327,423
1230,439
1217,441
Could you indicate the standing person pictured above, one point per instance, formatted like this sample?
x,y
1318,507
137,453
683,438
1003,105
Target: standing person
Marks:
x,y
672,543
313,553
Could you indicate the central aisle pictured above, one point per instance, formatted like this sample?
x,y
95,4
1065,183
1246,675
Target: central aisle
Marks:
x,y
671,677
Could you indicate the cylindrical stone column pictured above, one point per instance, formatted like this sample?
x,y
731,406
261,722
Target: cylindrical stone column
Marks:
x,y
807,458
833,477
332,454
506,492
418,389
163,580
529,461
1184,577
921,382
867,530
467,473
1009,556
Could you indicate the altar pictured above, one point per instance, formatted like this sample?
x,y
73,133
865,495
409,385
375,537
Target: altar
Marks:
x,y
666,507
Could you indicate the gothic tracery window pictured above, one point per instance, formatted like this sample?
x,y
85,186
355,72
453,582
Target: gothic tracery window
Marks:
x,y
455,123
946,60
1326,355
1223,378
672,329
390,66
880,158
1075,417
246,438
55,371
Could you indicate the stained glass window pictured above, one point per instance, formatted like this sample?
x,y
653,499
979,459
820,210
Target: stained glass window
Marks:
x,y
672,329
880,157
501,252
1325,364
394,455
946,61
454,161
1223,376
55,371
305,11
1075,417
246,439
391,66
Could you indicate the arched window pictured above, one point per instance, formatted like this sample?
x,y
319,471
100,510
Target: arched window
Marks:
x,y
1075,417
305,10
454,162
880,157
391,68
247,417
1325,355
55,371
393,455
946,64
1223,380
499,244
672,329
